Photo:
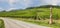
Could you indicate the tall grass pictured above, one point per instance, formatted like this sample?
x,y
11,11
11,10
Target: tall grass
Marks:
x,y
2,24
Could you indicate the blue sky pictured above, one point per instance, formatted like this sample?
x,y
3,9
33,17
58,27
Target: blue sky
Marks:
x,y
21,4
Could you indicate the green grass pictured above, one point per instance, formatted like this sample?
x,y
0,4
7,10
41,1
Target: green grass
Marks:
x,y
2,24
56,23
43,13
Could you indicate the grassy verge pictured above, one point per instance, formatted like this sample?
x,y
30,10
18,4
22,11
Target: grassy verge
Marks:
x,y
1,24
41,22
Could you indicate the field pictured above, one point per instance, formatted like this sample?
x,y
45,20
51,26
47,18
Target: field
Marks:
x,y
2,24
42,13
30,15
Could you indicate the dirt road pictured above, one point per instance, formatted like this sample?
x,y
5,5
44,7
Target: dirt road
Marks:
x,y
10,23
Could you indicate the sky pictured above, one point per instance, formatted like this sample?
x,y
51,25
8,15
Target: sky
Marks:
x,y
22,4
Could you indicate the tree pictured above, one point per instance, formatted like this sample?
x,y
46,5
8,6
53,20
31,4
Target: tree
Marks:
x,y
4,11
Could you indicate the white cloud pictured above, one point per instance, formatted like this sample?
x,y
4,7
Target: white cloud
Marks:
x,y
1,9
52,2
11,2
27,2
11,9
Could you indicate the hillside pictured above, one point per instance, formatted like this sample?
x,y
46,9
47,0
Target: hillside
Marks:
x,y
31,12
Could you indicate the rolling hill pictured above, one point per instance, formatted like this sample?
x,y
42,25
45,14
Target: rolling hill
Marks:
x,y
31,12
